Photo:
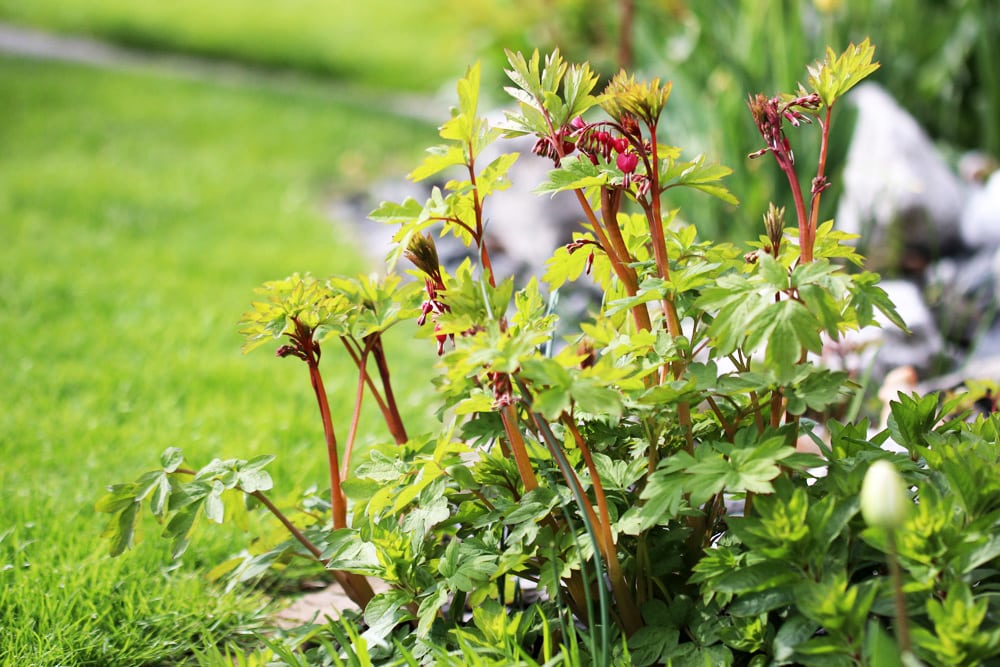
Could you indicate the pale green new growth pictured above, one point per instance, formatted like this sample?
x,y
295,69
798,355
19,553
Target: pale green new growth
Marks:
x,y
836,75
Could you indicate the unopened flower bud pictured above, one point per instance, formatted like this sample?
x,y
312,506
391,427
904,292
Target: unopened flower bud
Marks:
x,y
285,351
774,226
884,500
423,253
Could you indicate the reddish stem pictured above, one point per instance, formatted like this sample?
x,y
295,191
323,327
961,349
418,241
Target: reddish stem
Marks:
x,y
805,237
355,419
631,618
820,183
510,424
392,417
337,501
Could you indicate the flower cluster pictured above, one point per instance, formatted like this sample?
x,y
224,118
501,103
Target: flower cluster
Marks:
x,y
554,148
769,113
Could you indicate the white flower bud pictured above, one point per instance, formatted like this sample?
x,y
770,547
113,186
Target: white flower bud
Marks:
x,y
884,500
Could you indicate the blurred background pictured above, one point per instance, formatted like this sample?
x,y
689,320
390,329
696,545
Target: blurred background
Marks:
x,y
158,160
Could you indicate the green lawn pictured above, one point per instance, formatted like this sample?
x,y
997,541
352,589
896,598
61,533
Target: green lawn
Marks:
x,y
138,213
394,43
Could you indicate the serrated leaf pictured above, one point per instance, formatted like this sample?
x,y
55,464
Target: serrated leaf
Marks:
x,y
696,174
391,213
575,173
822,304
789,328
773,272
494,177
466,565
438,159
836,75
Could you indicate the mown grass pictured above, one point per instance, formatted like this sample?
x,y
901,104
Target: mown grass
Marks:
x,y
138,213
392,43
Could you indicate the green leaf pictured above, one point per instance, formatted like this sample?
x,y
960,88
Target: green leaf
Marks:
x,y
761,602
158,502
700,176
345,550
118,497
467,564
788,327
438,159
881,649
823,306
866,295
836,75
796,630
120,530
214,507
494,177
648,644
575,173
391,213
171,459
179,528
766,575
773,272
384,612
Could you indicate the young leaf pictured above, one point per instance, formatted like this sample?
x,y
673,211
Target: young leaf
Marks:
x,y
575,173
836,75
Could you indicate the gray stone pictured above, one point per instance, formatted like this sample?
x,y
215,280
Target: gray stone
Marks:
x,y
899,193
981,215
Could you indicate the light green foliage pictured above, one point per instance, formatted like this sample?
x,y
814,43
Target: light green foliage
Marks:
x,y
837,74
550,93
604,472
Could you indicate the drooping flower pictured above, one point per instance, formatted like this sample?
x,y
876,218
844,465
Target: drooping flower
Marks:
x,y
627,162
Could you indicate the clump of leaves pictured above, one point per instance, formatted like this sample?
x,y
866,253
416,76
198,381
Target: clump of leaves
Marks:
x,y
636,494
